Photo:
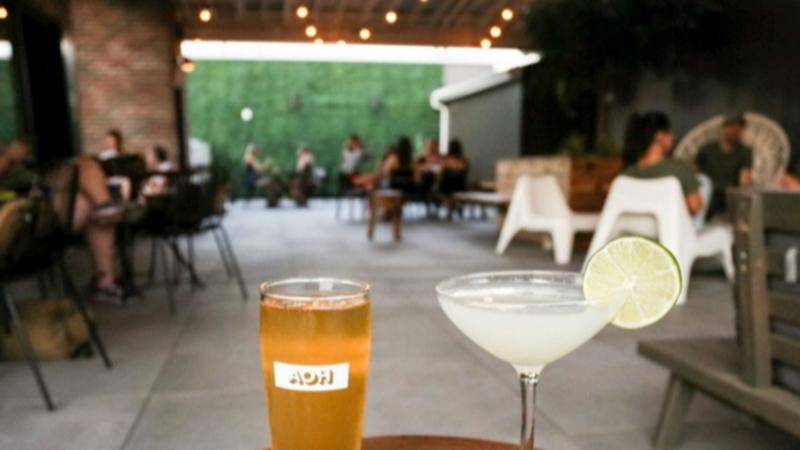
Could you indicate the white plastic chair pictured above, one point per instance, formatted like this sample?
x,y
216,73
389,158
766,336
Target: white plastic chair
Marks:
x,y
539,205
633,204
705,190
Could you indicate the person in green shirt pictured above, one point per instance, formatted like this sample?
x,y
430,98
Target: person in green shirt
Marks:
x,y
727,162
646,154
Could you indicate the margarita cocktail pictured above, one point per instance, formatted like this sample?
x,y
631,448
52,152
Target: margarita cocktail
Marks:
x,y
528,319
532,318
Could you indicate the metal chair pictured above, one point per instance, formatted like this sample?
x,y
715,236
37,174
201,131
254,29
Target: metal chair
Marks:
x,y
36,253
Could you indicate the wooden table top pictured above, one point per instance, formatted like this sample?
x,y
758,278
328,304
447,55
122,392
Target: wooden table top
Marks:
x,y
432,443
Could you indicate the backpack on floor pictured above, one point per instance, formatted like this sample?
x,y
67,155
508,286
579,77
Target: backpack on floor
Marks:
x,y
55,330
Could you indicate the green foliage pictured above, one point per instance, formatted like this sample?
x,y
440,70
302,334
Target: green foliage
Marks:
x,y
317,104
602,47
8,111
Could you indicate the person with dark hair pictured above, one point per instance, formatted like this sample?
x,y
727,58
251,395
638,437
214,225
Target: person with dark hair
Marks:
x,y
14,175
302,183
648,143
454,159
727,161
114,145
398,169
453,176
157,161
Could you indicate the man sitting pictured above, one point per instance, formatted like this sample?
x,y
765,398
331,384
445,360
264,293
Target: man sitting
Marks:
x,y
728,162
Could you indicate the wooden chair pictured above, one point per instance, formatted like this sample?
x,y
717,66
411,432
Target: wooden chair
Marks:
x,y
742,372
390,203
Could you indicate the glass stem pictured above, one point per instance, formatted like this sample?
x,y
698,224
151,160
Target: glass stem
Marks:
x,y
527,384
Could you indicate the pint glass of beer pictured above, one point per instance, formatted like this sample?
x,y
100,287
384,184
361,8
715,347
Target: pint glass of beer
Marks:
x,y
315,342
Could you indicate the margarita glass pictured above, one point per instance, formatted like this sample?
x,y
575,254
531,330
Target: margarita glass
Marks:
x,y
526,318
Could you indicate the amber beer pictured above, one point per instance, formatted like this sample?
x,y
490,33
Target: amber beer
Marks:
x,y
315,342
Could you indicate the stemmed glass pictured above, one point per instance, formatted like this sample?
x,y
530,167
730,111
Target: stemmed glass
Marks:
x,y
526,318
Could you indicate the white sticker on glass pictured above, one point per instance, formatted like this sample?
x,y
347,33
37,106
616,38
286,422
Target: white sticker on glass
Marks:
x,y
331,377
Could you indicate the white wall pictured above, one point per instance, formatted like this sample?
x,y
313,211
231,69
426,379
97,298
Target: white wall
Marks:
x,y
489,127
452,74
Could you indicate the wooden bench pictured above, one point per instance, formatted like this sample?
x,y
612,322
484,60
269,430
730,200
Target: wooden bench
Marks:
x,y
740,372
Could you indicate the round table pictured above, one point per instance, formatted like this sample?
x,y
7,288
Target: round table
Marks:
x,y
432,443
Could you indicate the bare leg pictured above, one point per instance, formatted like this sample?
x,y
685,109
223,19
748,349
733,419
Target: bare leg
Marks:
x,y
93,182
100,239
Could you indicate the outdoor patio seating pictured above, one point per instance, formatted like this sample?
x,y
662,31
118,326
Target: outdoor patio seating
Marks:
x,y
38,251
631,209
770,144
388,204
757,373
539,205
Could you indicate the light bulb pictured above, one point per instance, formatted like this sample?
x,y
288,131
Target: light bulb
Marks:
x,y
364,34
507,14
495,31
205,15
311,31
302,12
391,17
486,43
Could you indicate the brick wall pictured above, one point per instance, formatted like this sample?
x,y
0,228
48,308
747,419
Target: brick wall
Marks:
x,y
124,71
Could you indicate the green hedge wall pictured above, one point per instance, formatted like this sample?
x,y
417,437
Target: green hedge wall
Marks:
x,y
317,104
8,113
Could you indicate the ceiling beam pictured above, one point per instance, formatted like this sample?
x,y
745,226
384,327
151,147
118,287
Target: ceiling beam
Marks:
x,y
366,13
398,34
287,10
455,12
444,7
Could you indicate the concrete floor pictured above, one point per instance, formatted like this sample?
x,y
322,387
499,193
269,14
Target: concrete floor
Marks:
x,y
193,381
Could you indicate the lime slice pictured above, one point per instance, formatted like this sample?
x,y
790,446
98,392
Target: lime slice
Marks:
x,y
640,272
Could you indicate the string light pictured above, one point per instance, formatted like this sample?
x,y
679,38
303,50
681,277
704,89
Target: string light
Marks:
x,y
187,66
341,42
364,34
205,15
391,17
486,43
319,41
495,31
302,12
507,14
311,31
3,12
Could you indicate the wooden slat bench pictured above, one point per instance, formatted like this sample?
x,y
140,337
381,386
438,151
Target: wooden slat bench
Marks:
x,y
741,372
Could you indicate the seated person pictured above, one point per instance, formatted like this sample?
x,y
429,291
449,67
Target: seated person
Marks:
x,y
253,168
398,169
648,143
94,213
453,176
789,181
302,183
114,148
353,156
428,166
158,163
726,161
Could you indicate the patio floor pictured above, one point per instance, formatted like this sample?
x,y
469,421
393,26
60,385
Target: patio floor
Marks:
x,y
193,381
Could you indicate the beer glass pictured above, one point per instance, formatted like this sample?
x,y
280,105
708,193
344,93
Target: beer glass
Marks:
x,y
315,343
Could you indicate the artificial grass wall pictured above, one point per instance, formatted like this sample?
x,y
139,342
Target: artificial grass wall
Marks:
x,y
8,111
317,104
